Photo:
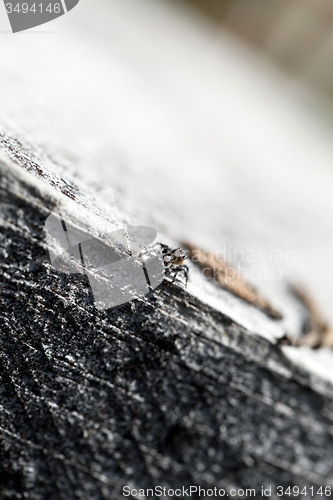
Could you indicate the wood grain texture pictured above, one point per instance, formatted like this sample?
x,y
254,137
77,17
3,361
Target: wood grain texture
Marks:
x,y
203,142
163,390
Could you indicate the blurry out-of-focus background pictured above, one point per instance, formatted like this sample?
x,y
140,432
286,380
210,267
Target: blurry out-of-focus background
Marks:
x,y
296,35
211,119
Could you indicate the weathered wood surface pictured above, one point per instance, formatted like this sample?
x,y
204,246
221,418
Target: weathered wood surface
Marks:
x,y
164,390
185,386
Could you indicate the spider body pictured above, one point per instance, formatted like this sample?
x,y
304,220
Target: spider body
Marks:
x,y
174,262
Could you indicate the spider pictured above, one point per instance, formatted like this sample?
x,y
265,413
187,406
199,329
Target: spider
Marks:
x,y
174,262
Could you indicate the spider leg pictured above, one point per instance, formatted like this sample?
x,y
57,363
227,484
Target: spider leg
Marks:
x,y
180,269
175,272
186,273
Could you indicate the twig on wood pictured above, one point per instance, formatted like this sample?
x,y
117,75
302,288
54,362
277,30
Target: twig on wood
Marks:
x,y
217,269
316,331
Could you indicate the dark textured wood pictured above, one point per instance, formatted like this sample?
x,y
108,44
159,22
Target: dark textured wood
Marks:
x,y
161,391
